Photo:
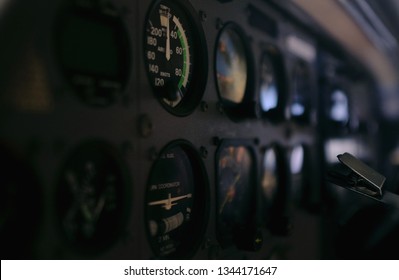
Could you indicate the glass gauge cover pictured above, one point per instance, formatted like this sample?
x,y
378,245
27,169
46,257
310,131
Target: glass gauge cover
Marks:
x,y
268,86
232,68
301,93
270,177
272,85
176,201
338,109
93,52
274,187
92,189
236,194
175,55
298,161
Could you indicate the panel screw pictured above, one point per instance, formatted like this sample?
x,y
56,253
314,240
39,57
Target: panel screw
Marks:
x,y
203,16
152,154
203,152
204,106
145,125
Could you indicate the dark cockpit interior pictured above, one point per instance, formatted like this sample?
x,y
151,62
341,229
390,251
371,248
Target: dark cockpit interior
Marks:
x,y
199,129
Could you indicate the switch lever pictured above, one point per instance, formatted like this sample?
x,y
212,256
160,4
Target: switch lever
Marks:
x,y
356,176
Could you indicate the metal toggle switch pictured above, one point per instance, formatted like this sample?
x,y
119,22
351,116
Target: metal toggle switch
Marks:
x,y
356,176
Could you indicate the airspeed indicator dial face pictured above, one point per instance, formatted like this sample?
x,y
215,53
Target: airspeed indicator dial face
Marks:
x,y
174,59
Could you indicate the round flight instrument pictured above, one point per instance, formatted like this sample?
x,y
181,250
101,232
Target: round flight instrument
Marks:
x,y
272,85
91,197
236,196
175,55
268,86
93,52
232,67
176,201
270,179
301,92
338,109
298,158
274,192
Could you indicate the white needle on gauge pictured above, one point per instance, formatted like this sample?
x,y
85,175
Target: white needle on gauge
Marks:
x,y
167,39
92,215
164,16
168,203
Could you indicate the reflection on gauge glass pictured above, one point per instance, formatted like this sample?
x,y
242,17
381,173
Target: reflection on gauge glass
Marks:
x,y
176,201
274,191
90,198
236,190
93,51
231,65
270,178
339,106
301,91
298,187
175,55
20,209
268,86
297,159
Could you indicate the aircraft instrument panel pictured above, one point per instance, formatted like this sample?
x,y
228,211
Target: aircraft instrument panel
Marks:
x,y
183,129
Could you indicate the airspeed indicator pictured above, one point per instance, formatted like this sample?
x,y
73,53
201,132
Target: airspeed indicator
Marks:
x,y
175,60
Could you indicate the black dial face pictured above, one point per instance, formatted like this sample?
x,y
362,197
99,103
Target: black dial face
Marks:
x,y
93,52
301,92
90,198
231,65
175,56
236,187
269,97
176,201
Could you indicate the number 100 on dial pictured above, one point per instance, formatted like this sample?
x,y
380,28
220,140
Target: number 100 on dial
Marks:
x,y
175,55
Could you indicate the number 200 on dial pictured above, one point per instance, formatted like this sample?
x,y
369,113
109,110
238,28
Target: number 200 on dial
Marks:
x,y
175,56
